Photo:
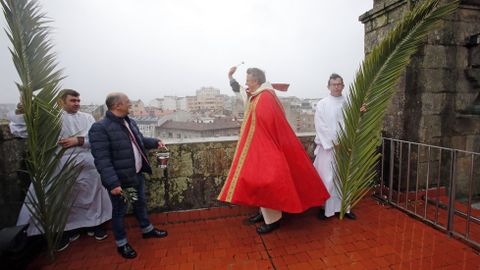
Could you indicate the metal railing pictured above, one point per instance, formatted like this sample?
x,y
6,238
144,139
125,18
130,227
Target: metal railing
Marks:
x,y
436,184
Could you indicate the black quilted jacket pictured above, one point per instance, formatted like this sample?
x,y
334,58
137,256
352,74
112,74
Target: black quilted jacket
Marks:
x,y
113,152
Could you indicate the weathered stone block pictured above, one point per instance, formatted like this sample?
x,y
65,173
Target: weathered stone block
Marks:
x,y
393,127
374,38
214,161
5,133
463,30
463,100
466,124
473,142
433,103
180,163
395,15
380,21
155,192
474,56
461,58
462,84
462,175
436,80
435,57
176,192
444,34
467,15
458,142
368,27
430,126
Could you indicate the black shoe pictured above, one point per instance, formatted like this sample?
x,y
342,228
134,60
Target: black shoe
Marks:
x,y
99,233
74,237
321,214
266,228
155,233
64,243
127,251
351,216
255,219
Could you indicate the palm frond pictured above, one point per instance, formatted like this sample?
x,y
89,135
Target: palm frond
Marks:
x,y
52,178
374,86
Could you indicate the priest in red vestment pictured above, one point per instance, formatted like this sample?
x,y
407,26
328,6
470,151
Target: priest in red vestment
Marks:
x,y
270,168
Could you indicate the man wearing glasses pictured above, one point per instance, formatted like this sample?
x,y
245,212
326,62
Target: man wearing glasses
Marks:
x,y
328,120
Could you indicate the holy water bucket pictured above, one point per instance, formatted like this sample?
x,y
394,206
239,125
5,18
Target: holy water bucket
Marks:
x,y
162,159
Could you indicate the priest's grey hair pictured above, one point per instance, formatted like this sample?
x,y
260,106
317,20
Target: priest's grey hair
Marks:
x,y
257,74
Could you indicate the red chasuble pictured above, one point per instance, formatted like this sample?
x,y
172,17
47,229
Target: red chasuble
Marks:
x,y
271,168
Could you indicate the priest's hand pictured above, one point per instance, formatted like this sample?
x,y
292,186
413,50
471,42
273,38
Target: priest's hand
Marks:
x,y
161,144
231,71
116,191
69,142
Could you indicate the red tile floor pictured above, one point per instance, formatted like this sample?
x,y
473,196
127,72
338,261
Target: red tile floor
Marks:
x,y
381,238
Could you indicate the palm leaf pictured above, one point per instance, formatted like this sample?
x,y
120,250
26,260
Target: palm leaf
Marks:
x,y
374,86
52,179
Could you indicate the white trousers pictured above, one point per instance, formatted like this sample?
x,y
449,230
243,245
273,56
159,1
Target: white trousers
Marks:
x,y
270,215
324,165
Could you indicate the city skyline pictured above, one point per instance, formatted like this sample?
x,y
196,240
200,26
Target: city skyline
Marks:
x,y
150,49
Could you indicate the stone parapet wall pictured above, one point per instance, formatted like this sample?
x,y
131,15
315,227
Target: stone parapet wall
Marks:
x,y
13,183
196,172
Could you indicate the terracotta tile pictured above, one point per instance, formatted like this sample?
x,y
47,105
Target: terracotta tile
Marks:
x,y
299,266
353,266
171,267
370,264
290,259
102,267
335,260
382,262
124,266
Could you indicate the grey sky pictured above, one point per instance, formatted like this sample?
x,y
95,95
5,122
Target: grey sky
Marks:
x,y
152,48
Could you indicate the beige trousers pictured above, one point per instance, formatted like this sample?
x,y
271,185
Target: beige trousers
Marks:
x,y
270,216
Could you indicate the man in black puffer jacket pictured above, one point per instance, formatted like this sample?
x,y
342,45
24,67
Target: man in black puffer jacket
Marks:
x,y
119,150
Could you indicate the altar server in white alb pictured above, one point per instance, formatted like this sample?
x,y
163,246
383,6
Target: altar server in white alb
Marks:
x,y
92,206
328,119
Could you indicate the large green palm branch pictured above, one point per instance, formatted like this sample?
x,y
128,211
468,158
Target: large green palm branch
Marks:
x,y
51,179
374,87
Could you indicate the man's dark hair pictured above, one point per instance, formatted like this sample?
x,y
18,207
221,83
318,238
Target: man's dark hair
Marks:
x,y
334,76
257,74
68,92
112,99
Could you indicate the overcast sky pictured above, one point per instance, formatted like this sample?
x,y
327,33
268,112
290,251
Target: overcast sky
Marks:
x,y
152,48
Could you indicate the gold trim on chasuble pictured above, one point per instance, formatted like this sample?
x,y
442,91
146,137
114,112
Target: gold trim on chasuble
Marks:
x,y
245,148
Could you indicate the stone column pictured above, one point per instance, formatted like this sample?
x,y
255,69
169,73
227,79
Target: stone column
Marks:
x,y
434,95
435,88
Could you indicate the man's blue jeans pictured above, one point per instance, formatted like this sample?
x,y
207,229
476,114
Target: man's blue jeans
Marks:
x,y
119,209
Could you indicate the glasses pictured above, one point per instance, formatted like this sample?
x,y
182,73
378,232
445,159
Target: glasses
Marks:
x,y
336,84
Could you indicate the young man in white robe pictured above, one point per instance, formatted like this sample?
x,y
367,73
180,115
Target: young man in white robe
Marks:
x,y
92,206
328,119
